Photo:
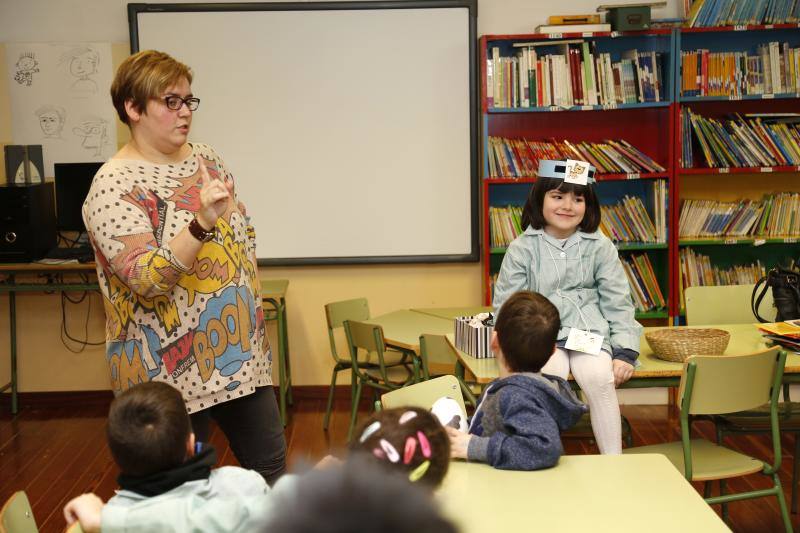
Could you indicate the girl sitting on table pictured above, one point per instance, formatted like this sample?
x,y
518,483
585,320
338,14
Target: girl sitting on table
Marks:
x,y
562,255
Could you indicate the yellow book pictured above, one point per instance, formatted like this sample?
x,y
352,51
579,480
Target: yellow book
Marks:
x,y
573,19
790,328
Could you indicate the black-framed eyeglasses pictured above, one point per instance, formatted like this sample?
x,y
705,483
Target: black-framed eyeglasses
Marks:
x,y
174,102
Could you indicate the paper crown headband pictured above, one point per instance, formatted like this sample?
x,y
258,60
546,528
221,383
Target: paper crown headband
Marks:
x,y
569,170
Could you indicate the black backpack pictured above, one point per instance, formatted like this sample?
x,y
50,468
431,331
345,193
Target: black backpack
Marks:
x,y
785,284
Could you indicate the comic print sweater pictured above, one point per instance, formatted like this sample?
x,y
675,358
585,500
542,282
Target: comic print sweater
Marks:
x,y
198,327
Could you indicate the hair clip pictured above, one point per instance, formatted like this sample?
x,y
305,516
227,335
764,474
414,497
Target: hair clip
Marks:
x,y
419,471
391,452
424,445
408,415
369,430
411,447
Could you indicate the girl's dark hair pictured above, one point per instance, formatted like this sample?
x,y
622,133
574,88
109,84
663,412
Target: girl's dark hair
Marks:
x,y
401,440
532,212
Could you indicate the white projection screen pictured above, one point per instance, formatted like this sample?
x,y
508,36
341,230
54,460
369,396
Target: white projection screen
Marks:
x,y
350,127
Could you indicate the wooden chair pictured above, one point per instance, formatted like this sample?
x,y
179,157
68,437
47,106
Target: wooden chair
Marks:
x,y
373,364
335,315
16,516
424,394
438,358
713,385
731,304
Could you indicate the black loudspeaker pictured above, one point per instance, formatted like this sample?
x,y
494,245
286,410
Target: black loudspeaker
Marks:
x,y
27,222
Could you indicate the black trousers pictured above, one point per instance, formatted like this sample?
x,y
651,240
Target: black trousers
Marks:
x,y
254,430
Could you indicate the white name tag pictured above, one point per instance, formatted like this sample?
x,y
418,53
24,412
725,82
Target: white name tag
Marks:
x,y
577,172
584,341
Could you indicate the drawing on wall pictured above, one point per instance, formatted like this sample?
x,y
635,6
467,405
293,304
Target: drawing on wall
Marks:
x,y
51,120
61,100
81,63
93,132
26,67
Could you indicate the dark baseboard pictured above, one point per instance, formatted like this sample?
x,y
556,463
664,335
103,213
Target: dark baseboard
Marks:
x,y
102,398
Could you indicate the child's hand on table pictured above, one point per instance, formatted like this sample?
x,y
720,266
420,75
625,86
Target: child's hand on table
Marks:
x,y
459,442
622,371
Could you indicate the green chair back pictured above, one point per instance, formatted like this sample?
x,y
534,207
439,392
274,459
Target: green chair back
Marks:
x,y
337,312
725,304
367,338
437,355
727,384
424,394
16,516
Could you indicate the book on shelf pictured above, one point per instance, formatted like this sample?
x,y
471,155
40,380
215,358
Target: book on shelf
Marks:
x,y
574,75
697,270
773,69
776,215
517,158
629,222
558,20
572,28
738,141
710,13
504,224
645,290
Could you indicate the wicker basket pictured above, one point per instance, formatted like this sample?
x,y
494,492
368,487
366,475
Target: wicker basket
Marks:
x,y
678,344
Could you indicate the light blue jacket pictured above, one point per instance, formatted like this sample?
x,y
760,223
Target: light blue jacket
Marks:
x,y
231,499
591,276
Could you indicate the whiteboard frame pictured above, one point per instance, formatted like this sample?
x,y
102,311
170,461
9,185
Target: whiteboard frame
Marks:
x,y
471,5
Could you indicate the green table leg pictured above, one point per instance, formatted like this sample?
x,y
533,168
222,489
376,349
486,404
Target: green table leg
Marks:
x,y
284,376
12,317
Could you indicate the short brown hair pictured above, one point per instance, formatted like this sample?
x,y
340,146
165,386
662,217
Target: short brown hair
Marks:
x,y
527,328
401,431
143,76
147,430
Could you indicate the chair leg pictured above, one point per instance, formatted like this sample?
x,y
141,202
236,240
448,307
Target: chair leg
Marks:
x,y
787,522
626,427
330,398
723,485
795,468
354,409
707,489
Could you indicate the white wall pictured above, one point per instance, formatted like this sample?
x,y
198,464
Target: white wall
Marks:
x,y
107,20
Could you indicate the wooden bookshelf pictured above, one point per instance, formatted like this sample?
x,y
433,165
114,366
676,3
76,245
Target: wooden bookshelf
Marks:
x,y
648,126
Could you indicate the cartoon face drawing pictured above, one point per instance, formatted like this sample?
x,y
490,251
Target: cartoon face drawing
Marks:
x,y
84,64
93,131
51,120
26,63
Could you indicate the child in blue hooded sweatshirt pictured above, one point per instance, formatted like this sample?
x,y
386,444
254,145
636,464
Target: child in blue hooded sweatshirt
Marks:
x,y
520,416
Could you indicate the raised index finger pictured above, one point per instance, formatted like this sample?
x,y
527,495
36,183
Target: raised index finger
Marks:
x,y
204,176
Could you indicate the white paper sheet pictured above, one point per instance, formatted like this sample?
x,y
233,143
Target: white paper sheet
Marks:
x,y
60,99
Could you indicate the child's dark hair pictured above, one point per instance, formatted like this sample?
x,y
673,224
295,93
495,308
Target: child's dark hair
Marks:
x,y
408,440
532,212
527,328
147,430
356,496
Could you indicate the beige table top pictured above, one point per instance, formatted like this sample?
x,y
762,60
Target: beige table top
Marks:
x,y
402,328
274,288
583,493
745,338
452,312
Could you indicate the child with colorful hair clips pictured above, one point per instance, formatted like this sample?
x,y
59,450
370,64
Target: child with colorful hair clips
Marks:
x,y
562,255
407,440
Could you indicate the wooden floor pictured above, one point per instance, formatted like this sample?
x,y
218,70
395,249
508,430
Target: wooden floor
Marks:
x,y
55,452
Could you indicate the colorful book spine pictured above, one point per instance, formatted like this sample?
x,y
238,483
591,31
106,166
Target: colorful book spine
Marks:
x,y
572,75
697,270
518,158
629,221
775,216
645,289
